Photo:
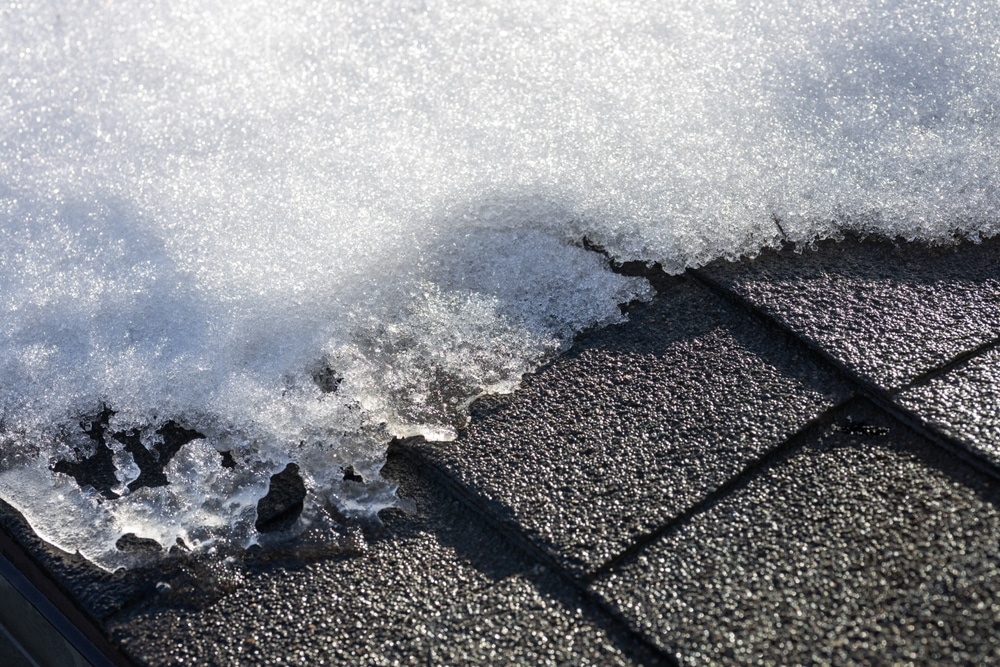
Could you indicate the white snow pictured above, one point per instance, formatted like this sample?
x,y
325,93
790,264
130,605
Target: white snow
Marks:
x,y
205,204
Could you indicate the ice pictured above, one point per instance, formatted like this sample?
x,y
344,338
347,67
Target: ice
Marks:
x,y
300,229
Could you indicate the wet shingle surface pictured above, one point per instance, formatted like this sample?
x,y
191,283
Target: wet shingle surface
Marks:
x,y
963,404
435,588
637,424
867,545
888,312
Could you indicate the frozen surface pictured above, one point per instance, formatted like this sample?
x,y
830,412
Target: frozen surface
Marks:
x,y
301,228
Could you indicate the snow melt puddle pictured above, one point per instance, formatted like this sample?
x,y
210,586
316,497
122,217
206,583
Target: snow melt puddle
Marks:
x,y
239,237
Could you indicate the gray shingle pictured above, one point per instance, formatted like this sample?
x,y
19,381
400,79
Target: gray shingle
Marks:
x,y
963,404
637,424
435,588
887,312
867,545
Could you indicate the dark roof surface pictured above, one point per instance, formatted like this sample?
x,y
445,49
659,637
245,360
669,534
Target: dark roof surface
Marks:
x,y
792,459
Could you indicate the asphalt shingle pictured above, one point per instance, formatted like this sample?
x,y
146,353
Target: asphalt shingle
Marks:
x,y
964,404
636,424
437,587
867,545
888,312
691,463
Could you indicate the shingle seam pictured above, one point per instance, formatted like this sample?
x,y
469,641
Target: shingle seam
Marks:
x,y
953,446
827,359
882,398
950,365
810,429
511,531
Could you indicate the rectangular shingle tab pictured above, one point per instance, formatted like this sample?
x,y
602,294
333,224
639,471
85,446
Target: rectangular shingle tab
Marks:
x,y
637,424
435,588
867,545
888,312
963,403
